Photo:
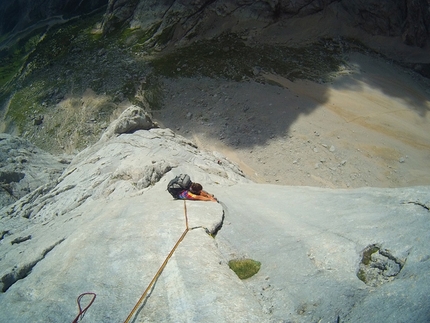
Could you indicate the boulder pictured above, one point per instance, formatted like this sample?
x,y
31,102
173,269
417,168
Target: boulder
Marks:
x,y
131,119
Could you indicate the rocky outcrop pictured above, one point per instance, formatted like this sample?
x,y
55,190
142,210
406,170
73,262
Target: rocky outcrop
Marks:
x,y
117,13
107,225
24,168
132,119
177,20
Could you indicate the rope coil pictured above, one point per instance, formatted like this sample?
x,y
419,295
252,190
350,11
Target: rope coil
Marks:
x,y
82,312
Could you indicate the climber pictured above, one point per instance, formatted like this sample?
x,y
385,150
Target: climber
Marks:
x,y
181,187
196,192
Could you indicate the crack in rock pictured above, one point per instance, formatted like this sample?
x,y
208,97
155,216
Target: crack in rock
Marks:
x,y
3,234
21,239
23,271
424,205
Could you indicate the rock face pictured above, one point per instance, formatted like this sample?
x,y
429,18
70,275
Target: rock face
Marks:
x,y
108,223
408,19
24,168
132,119
18,15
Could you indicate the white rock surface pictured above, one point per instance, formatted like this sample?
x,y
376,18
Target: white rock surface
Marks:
x,y
24,167
109,223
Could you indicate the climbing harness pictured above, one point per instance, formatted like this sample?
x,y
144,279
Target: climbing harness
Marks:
x,y
161,268
82,312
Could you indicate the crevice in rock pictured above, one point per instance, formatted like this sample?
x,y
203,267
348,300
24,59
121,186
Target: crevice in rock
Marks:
x,y
23,271
378,266
168,9
215,230
424,205
44,199
20,239
9,190
218,227
205,5
3,233
11,177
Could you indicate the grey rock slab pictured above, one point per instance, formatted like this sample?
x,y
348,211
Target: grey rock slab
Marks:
x,y
114,248
310,240
199,287
96,230
107,224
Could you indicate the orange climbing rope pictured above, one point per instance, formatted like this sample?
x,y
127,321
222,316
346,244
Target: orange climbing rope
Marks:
x,y
139,302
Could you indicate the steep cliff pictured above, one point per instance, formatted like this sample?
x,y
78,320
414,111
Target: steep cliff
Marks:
x,y
189,19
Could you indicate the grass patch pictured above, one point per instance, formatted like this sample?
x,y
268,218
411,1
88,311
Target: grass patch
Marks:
x,y
244,268
26,104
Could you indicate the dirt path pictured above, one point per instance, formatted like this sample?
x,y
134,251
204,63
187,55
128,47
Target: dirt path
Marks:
x,y
370,127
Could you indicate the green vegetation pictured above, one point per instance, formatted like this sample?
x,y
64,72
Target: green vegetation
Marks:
x,y
35,67
365,260
134,38
244,268
60,40
59,65
367,254
26,104
13,58
229,57
362,276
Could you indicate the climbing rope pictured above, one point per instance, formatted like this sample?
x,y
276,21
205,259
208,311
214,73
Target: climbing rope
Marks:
x,y
161,268
82,312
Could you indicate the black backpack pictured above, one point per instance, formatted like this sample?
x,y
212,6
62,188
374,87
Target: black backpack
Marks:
x,y
179,184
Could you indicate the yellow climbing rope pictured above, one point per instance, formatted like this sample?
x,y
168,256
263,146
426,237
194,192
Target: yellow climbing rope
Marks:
x,y
142,298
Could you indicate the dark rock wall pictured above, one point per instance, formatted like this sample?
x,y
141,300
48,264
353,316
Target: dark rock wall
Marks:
x,y
409,19
16,15
416,29
302,8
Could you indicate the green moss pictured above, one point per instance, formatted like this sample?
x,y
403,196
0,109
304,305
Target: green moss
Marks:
x,y
26,104
366,258
244,268
367,254
362,276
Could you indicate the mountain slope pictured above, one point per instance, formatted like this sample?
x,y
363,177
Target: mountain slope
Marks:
x,y
109,223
